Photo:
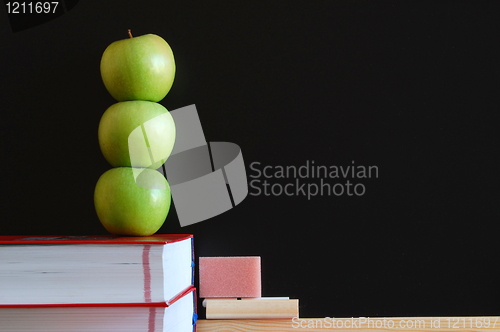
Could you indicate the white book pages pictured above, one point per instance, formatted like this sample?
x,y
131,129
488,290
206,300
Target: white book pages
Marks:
x,y
178,317
94,273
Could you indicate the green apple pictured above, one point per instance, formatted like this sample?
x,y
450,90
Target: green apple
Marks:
x,y
138,68
136,134
131,201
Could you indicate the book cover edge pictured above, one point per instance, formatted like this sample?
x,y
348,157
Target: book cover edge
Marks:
x,y
97,239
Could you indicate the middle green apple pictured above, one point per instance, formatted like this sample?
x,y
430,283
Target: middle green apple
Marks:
x,y
136,134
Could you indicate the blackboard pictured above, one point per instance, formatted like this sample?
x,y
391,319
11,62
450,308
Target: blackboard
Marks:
x,y
368,130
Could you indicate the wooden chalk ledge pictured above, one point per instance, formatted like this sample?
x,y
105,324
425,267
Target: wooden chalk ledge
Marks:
x,y
386,324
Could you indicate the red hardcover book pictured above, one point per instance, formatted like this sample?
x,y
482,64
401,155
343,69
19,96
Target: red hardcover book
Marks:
x,y
53,270
93,239
178,315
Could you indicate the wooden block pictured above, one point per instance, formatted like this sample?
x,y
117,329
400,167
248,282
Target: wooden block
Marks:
x,y
251,308
396,324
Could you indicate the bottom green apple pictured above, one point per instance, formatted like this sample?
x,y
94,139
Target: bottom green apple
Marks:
x,y
132,201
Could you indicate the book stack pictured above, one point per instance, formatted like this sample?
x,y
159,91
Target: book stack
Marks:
x,y
98,283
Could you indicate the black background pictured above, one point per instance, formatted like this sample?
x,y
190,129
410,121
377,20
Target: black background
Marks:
x,y
410,88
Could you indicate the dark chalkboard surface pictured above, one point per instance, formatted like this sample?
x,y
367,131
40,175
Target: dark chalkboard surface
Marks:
x,y
368,130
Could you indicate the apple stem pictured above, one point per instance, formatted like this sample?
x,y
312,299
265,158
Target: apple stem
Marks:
x,y
130,33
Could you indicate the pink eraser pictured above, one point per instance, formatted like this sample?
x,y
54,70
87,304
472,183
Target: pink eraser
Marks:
x,y
237,276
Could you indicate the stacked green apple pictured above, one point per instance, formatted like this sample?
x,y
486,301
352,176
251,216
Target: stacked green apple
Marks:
x,y
136,136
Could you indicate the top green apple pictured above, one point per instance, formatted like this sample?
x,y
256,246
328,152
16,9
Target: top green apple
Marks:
x,y
138,68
